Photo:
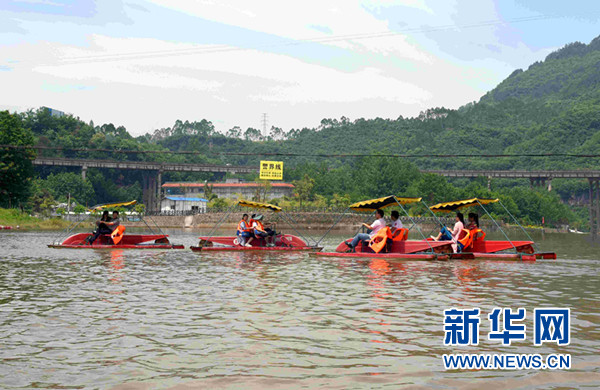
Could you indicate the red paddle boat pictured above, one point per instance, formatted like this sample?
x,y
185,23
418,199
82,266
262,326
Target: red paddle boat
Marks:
x,y
384,244
473,245
119,239
281,242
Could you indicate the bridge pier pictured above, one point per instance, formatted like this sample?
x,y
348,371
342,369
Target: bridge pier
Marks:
x,y
594,207
149,189
83,172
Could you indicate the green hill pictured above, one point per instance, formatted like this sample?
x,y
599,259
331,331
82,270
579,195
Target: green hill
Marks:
x,y
552,107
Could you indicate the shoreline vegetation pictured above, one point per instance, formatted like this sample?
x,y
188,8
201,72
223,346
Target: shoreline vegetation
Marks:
x,y
14,218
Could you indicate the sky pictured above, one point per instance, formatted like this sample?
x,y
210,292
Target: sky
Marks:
x,y
144,64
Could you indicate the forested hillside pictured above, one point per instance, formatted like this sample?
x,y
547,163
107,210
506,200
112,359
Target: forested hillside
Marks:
x,y
552,107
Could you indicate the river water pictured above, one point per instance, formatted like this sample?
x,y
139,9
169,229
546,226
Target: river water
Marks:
x,y
145,319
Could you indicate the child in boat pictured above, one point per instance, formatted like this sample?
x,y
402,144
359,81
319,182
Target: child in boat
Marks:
x,y
244,231
372,230
473,221
396,223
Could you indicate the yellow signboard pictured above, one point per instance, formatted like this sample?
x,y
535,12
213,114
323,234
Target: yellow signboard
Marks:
x,y
271,170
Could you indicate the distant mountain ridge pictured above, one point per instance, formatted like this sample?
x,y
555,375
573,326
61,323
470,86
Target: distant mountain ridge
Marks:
x,y
569,72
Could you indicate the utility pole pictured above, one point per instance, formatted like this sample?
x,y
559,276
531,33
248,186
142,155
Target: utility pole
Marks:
x,y
264,123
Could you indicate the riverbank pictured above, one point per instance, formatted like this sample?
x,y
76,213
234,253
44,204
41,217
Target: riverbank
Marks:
x,y
16,218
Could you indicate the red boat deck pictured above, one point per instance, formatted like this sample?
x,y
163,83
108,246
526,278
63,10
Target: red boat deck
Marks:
x,y
129,241
283,243
140,246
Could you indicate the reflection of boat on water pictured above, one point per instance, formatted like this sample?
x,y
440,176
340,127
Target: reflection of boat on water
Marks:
x,y
282,242
472,243
119,239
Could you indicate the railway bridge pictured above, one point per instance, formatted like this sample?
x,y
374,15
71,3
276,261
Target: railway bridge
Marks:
x,y
152,172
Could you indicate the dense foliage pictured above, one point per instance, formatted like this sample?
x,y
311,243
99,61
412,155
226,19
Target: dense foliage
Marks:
x,y
552,107
16,168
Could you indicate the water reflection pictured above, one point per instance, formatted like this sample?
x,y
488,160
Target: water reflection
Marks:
x,y
161,319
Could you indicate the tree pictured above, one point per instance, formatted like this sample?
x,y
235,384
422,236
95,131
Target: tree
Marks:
x,y
234,132
16,166
218,204
252,134
262,190
304,188
208,192
63,184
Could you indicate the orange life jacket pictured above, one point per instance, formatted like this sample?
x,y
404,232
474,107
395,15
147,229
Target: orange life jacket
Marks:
x,y
478,234
117,234
260,226
247,229
402,236
379,240
471,236
466,239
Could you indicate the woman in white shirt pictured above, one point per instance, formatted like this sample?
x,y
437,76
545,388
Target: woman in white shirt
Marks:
x,y
458,227
373,229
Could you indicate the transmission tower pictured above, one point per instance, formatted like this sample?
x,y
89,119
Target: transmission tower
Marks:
x,y
264,123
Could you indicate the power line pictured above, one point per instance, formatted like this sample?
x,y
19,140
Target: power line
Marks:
x,y
294,42
320,155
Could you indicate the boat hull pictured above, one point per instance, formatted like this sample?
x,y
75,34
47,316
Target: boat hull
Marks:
x,y
283,243
255,249
442,250
128,241
396,256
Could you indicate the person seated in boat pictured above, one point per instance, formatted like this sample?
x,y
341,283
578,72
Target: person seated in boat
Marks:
x,y
473,221
260,231
270,228
459,225
444,235
397,225
105,227
244,231
101,228
372,229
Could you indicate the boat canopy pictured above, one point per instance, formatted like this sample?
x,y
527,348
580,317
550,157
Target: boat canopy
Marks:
x,y
458,204
99,207
379,203
256,205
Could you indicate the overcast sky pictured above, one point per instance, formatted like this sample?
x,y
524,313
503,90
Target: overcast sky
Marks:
x,y
145,64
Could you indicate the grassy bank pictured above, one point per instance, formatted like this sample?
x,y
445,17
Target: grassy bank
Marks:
x,y
14,218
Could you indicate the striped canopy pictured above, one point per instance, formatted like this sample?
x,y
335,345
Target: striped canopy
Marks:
x,y
379,203
256,205
458,204
100,207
